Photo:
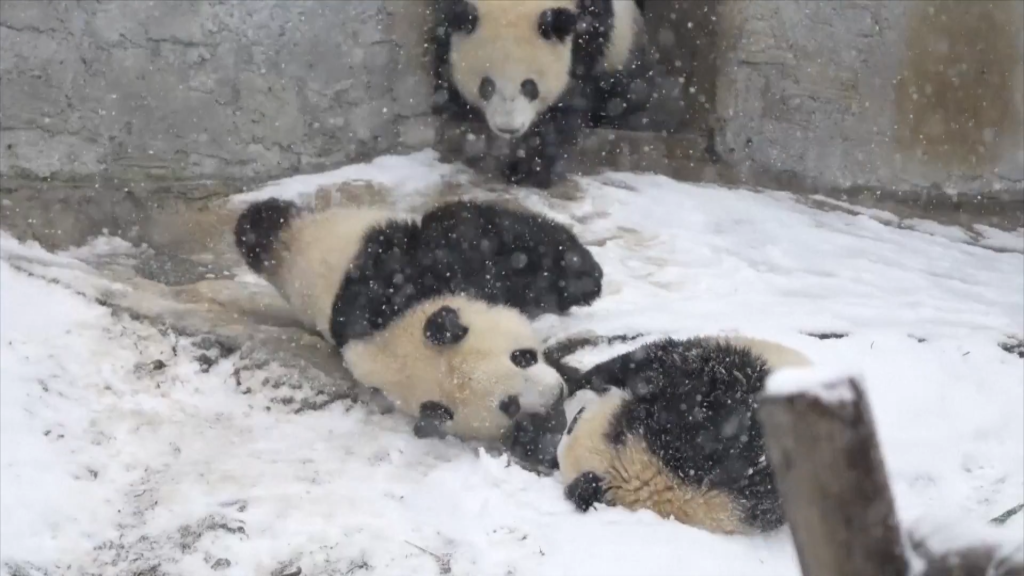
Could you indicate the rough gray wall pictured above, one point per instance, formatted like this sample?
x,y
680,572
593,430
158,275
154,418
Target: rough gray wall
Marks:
x,y
151,91
871,94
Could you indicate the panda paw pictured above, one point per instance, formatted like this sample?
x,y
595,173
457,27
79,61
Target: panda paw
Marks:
x,y
375,397
520,172
585,491
433,417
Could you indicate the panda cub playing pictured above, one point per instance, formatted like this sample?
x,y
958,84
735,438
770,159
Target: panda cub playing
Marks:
x,y
460,365
671,427
509,256
539,71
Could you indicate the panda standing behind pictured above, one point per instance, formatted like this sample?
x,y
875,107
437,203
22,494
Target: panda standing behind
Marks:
x,y
539,71
671,427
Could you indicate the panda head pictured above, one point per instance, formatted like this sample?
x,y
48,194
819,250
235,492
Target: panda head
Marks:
x,y
587,415
494,373
512,60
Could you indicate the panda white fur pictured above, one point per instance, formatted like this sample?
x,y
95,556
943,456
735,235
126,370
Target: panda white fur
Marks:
x,y
671,427
462,366
474,366
539,71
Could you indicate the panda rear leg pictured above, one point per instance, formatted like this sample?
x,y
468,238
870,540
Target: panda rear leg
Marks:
x,y
586,490
433,418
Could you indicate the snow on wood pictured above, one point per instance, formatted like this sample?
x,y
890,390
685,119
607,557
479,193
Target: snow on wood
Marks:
x,y
828,385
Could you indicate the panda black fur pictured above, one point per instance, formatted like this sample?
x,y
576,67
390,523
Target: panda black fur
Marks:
x,y
509,256
671,427
462,366
538,72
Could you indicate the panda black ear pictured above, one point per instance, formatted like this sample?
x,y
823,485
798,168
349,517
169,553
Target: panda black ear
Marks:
x,y
557,23
443,328
463,17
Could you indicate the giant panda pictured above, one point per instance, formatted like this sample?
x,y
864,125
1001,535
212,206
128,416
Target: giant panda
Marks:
x,y
509,256
460,365
671,427
538,72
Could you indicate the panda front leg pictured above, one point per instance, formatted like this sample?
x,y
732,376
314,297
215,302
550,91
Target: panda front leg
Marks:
x,y
586,490
434,416
528,166
536,154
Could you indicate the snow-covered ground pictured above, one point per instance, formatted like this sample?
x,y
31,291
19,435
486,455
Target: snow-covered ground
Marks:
x,y
109,462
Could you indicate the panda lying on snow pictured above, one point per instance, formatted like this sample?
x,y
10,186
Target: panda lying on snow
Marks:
x,y
539,71
670,427
461,365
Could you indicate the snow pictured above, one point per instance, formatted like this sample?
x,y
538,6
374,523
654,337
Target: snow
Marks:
x,y
979,234
415,173
828,385
105,461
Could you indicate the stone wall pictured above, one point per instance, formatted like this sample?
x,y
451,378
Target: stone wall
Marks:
x,y
893,95
176,91
906,96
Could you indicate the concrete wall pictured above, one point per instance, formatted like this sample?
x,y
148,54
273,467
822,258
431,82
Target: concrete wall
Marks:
x,y
901,95
898,94
193,90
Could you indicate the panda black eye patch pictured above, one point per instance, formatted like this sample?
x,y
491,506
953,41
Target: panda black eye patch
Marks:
x,y
486,89
524,358
529,89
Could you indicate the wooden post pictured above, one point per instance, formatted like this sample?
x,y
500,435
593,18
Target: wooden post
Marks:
x,y
821,443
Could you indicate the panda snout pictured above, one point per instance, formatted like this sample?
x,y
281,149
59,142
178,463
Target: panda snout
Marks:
x,y
507,132
532,440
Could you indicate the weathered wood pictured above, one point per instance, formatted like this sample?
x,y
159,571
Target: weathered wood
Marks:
x,y
978,560
822,446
